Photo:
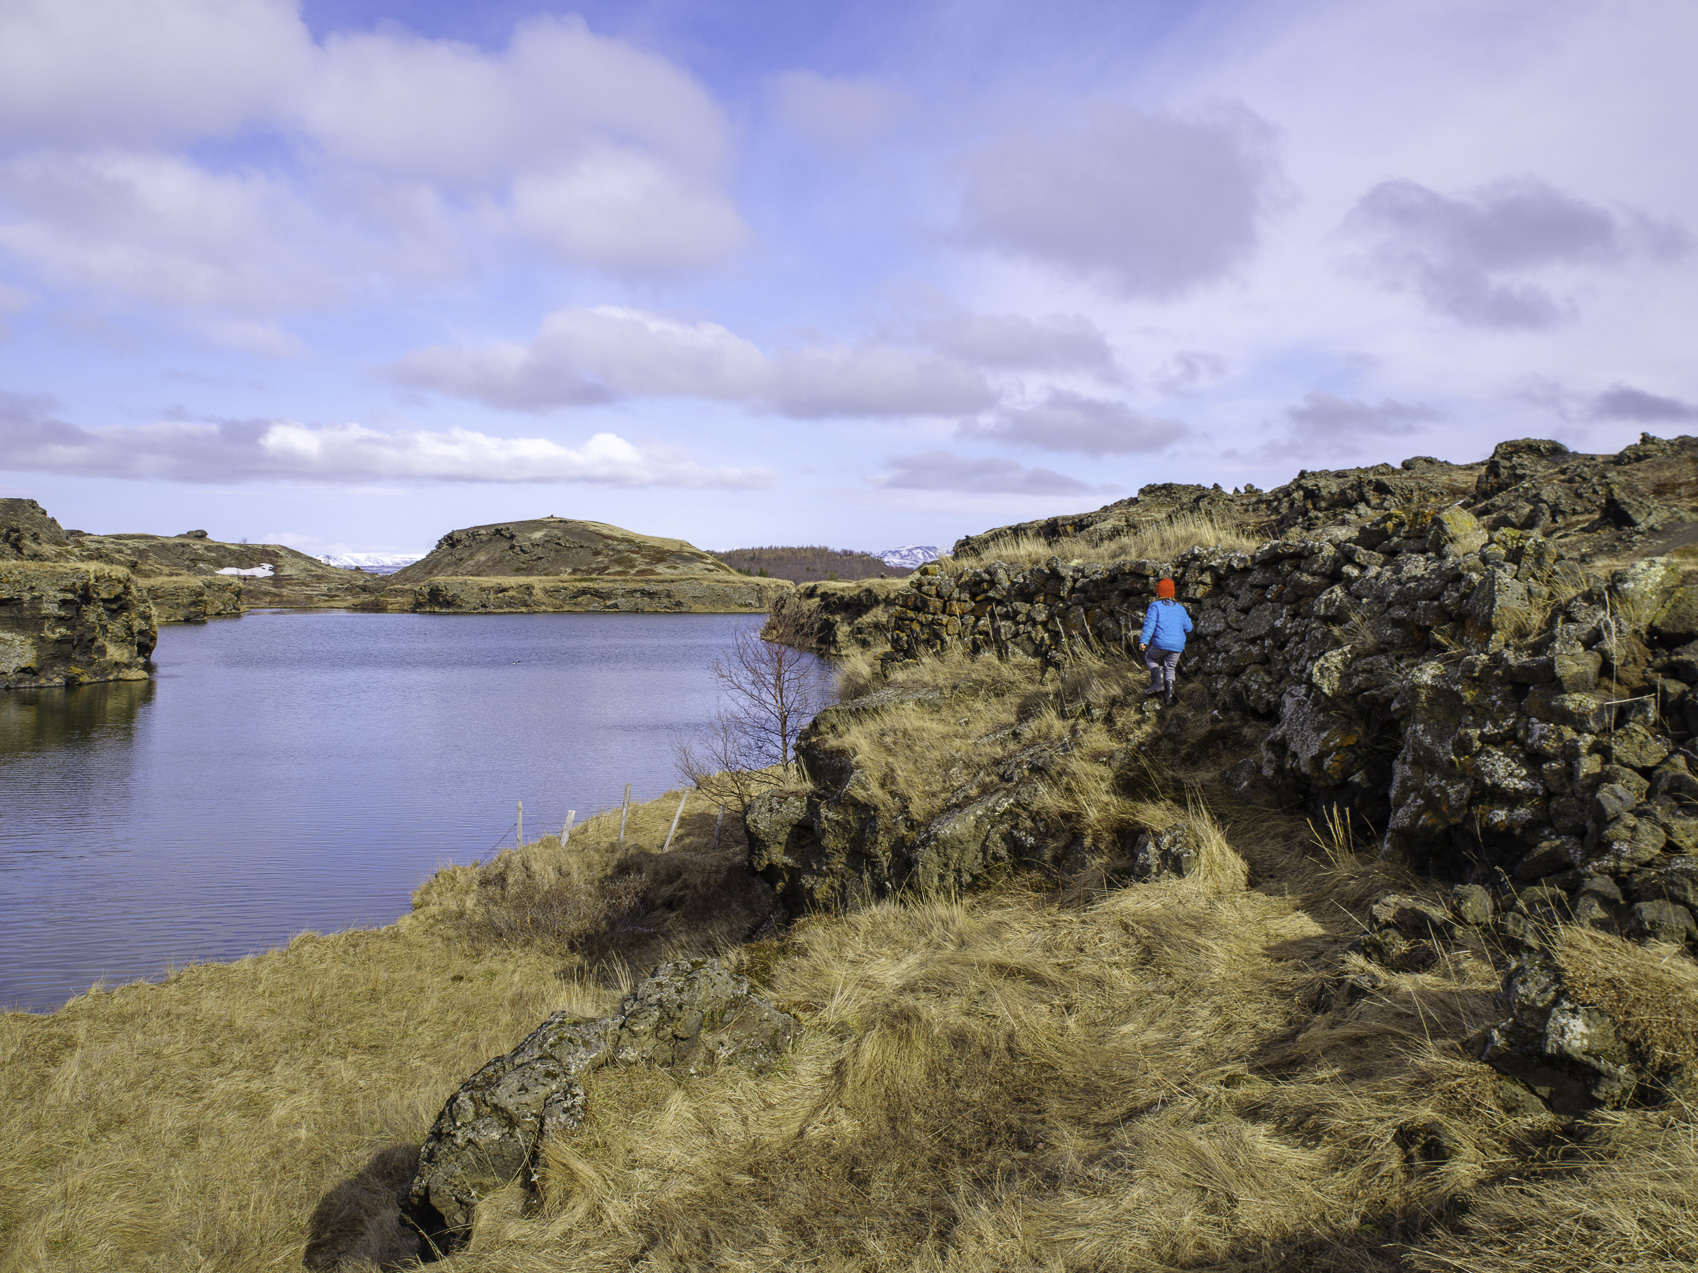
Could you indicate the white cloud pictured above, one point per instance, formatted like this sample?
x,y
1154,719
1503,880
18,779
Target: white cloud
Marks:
x,y
874,380
1150,204
456,115
165,230
839,112
33,438
138,72
947,471
625,212
595,355
1059,342
381,154
1068,421
1468,256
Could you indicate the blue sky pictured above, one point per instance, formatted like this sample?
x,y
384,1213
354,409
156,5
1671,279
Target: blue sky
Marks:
x,y
347,274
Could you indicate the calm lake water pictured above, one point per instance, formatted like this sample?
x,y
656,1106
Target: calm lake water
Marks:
x,y
306,770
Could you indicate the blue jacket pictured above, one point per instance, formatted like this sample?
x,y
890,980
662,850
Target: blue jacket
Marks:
x,y
1165,625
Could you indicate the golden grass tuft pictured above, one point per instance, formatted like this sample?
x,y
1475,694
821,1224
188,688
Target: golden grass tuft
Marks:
x,y
1160,539
1651,991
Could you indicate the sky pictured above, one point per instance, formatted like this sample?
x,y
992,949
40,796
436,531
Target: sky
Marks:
x,y
347,274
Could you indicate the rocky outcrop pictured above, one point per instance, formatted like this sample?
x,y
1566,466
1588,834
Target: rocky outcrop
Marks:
x,y
559,547
64,623
1480,701
728,593
193,598
1602,503
687,1017
834,845
1493,708
841,617
29,533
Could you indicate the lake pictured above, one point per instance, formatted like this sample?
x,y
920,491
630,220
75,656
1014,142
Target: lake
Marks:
x,y
294,770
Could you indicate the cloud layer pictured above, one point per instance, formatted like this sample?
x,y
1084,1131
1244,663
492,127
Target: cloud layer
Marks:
x,y
608,352
33,438
1150,204
1068,421
983,475
1470,257
386,156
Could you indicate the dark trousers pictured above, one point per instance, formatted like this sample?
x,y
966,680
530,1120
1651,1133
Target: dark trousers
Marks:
x,y
1162,664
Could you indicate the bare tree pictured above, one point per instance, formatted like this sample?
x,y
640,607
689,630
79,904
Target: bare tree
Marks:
x,y
770,687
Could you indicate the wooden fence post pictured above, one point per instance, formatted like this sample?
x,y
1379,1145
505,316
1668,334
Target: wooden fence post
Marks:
x,y
624,812
717,824
674,829
566,831
519,838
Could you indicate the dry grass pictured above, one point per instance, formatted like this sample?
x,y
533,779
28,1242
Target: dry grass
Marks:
x,y
1651,990
194,1124
1160,540
1004,1084
1194,1074
966,716
601,906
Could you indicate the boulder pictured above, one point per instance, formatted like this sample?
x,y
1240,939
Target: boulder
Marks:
x,y
1661,921
1169,853
1471,904
1643,587
1570,1055
1455,533
688,1016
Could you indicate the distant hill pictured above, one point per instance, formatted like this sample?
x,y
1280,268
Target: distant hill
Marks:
x,y
811,564
558,546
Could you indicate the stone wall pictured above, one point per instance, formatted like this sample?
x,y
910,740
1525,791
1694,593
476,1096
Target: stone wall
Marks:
x,y
840,617
68,624
1487,706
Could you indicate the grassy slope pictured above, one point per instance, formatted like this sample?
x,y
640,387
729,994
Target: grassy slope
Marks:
x,y
1046,1075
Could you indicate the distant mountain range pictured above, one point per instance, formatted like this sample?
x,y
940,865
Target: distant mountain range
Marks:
x,y
908,556
371,563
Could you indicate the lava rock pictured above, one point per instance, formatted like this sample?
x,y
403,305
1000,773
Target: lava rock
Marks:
x,y
687,1016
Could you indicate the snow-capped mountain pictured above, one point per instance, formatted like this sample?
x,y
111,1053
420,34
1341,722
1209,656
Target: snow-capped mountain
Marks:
x,y
371,563
908,556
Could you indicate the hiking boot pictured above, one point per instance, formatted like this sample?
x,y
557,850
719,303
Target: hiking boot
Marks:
x,y
1154,689
1168,698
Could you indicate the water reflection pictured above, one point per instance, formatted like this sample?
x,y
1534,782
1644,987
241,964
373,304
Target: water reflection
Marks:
x,y
45,719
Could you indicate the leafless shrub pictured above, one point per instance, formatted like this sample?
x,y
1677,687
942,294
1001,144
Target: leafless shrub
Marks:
x,y
770,688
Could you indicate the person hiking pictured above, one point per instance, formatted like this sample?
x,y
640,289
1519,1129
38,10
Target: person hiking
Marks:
x,y
1166,624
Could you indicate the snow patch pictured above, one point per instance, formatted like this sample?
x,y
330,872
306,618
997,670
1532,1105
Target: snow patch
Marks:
x,y
371,563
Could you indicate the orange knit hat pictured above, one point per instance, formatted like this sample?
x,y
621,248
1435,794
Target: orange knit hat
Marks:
x,y
1164,588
